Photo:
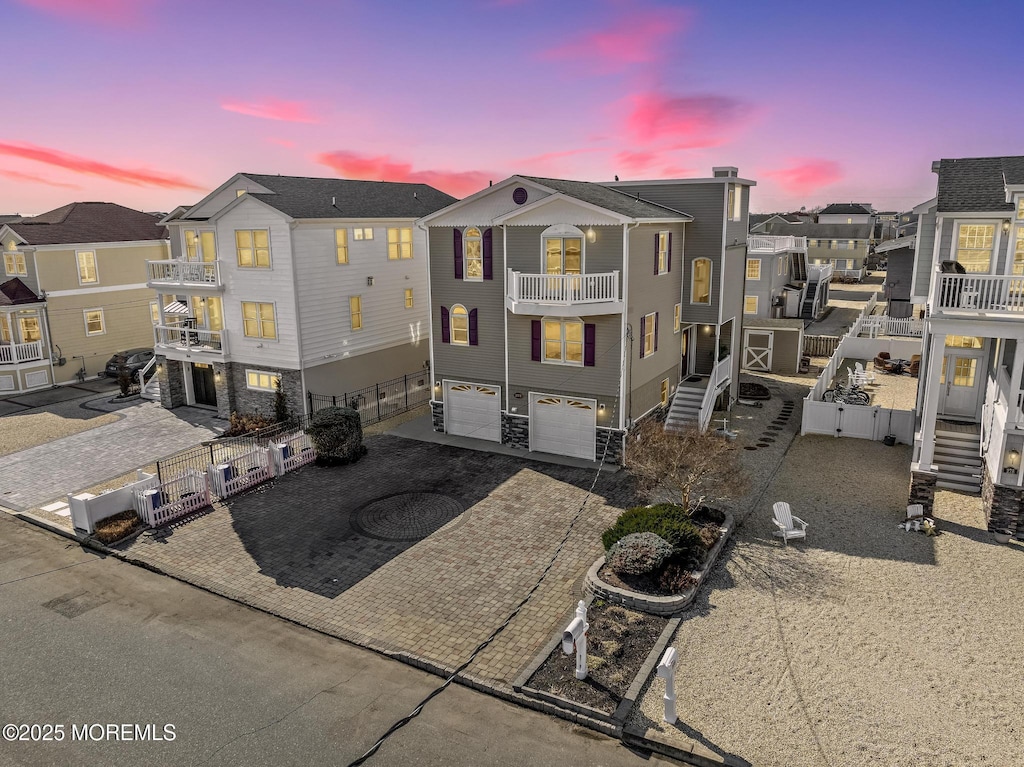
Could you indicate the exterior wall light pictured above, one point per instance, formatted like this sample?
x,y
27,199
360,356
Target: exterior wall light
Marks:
x,y
1006,226
591,235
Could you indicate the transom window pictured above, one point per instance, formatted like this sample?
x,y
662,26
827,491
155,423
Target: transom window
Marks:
x,y
355,312
563,255
87,267
974,247
964,342
460,325
563,341
753,268
473,252
94,322
253,247
408,298
399,243
362,233
750,305
258,320
700,288
663,254
261,380
14,264
341,245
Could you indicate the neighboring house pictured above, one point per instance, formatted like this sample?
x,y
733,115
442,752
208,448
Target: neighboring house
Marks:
x,y
969,271
759,222
844,246
24,344
907,224
565,311
885,224
847,213
318,283
86,260
899,255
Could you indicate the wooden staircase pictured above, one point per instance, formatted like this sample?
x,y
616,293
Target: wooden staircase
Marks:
x,y
958,457
685,408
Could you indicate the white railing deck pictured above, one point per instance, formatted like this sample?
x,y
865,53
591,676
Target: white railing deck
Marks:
x,y
12,354
721,373
892,326
974,293
197,339
766,243
563,288
820,272
179,272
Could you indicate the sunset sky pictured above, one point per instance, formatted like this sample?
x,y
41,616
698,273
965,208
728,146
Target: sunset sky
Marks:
x,y
152,104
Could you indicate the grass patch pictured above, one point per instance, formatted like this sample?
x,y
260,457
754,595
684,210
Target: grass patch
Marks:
x,y
113,529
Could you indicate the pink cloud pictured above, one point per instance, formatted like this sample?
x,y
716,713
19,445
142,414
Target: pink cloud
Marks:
x,y
684,122
32,178
134,176
287,143
806,175
635,162
272,109
115,12
677,172
636,37
383,168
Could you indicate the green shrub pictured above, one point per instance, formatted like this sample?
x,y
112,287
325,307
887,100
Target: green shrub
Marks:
x,y
280,403
638,554
666,520
337,434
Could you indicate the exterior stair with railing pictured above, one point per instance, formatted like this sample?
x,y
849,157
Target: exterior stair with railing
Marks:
x,y
684,410
807,310
149,388
958,459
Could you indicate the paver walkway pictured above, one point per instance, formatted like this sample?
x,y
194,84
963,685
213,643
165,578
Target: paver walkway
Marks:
x,y
145,432
335,549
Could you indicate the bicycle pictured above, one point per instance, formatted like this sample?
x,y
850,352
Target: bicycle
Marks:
x,y
849,394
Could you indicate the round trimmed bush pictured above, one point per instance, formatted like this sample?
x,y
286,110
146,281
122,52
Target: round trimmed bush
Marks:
x,y
638,554
337,434
668,521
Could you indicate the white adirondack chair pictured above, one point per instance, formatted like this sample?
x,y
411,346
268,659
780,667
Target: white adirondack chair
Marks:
x,y
864,374
789,526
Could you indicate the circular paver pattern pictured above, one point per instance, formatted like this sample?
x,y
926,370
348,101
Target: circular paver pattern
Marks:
x,y
406,516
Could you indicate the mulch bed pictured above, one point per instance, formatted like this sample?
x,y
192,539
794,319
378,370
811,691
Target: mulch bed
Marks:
x,y
618,643
115,528
750,390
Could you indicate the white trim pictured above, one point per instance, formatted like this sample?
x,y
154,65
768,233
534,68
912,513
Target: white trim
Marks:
x,y
993,256
559,196
668,252
504,292
677,318
98,245
103,321
412,242
562,359
351,325
451,325
24,263
252,233
260,337
756,302
89,291
746,271
711,276
650,325
262,373
561,232
424,221
95,266
465,262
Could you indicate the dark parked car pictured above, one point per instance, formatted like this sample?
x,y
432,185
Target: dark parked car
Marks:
x,y
133,359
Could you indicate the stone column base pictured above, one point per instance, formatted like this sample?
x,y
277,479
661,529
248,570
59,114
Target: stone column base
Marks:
x,y
922,489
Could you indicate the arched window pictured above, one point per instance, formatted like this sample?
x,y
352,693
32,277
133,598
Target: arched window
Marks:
x,y
562,250
460,325
472,247
700,282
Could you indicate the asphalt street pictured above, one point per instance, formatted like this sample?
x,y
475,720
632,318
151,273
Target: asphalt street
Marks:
x,y
87,640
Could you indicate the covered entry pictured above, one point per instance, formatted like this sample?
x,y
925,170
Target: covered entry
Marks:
x,y
563,425
204,389
472,410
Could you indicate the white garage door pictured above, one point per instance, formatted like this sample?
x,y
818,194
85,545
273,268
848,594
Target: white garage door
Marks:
x,y
563,425
472,410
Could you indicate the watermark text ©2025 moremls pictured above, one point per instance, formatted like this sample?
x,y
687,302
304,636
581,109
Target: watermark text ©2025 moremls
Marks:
x,y
96,733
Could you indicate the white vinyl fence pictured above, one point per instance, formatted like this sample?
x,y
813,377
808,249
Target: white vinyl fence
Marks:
x,y
175,498
240,473
88,509
290,453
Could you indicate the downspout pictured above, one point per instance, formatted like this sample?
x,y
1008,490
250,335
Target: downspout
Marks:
x,y
430,317
504,313
46,318
626,369
298,319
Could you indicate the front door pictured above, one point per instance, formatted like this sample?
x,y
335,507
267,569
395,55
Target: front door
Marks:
x,y
961,384
685,355
203,385
757,349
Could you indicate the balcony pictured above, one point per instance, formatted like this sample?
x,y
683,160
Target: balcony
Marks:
x,y
764,243
971,295
563,295
182,342
820,272
184,274
15,354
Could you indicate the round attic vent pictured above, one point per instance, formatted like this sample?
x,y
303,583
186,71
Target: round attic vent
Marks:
x,y
519,195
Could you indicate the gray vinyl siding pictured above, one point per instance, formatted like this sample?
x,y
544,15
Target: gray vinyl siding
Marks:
x,y
31,276
925,246
648,395
526,255
484,363
600,380
736,231
786,351
734,279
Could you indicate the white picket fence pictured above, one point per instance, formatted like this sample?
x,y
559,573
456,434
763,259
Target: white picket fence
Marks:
x,y
174,499
294,450
88,509
240,473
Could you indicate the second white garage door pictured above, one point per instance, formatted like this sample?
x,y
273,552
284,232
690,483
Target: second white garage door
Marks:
x,y
472,410
563,425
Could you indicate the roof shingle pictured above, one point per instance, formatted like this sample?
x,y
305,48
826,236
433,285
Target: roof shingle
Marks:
x,y
977,183
87,222
605,197
15,292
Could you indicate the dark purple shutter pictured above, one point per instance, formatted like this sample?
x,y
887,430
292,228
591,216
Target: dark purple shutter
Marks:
x,y
656,330
535,340
643,333
657,242
670,251
488,256
457,236
472,327
446,326
589,344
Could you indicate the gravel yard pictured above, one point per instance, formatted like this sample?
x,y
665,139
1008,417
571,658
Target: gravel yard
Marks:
x,y
37,427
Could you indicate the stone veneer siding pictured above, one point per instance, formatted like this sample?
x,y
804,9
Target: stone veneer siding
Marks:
x,y
1002,505
922,489
234,395
172,382
515,431
437,415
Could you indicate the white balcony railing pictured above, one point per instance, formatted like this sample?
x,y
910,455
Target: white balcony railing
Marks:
x,y
989,293
721,373
12,354
767,243
563,289
820,272
191,339
177,272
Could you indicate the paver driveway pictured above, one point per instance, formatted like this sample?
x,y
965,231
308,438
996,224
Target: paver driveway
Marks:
x,y
417,548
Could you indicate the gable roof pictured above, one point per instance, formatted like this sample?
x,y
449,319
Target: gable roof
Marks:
x,y
10,219
821,231
623,203
845,209
81,222
301,197
15,292
977,183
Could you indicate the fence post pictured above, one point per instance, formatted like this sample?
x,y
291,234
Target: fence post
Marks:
x,y
406,391
377,389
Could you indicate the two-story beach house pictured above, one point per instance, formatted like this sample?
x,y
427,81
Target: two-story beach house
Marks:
x,y
847,213
844,246
969,271
562,312
319,283
84,263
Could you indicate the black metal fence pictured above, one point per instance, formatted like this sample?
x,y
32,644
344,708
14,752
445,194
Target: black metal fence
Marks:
x,y
380,401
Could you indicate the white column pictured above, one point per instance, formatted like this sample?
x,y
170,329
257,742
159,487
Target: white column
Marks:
x,y
933,390
1015,376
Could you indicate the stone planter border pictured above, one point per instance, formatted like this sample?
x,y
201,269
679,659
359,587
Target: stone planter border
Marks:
x,y
664,606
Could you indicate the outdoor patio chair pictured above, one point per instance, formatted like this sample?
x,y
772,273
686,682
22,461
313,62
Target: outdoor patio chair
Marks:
x,y
868,377
915,365
789,526
881,361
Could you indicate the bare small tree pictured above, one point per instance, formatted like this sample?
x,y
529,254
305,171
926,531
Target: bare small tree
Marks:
x,y
698,467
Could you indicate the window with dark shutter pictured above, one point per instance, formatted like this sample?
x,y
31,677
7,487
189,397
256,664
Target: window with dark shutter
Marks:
x,y
656,330
643,333
535,343
446,326
457,242
488,255
589,345
669,252
657,253
472,327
